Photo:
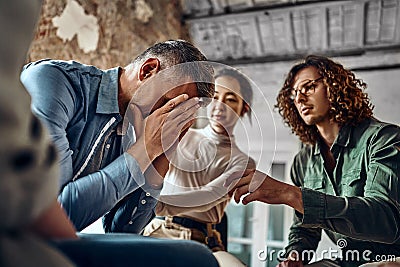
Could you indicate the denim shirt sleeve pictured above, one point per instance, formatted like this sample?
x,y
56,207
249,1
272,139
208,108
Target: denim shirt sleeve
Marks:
x,y
89,197
54,107
379,202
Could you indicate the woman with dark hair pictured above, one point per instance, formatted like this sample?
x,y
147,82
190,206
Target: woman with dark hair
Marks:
x,y
346,174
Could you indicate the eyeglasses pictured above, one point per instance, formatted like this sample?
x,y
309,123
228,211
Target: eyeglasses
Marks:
x,y
306,89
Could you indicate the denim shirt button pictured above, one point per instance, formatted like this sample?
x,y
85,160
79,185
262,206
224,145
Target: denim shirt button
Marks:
x,y
147,194
143,201
130,222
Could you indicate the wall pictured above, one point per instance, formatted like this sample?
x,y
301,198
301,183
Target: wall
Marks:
x,y
68,29
285,31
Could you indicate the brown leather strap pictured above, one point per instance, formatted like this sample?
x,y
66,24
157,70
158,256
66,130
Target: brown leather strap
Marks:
x,y
213,238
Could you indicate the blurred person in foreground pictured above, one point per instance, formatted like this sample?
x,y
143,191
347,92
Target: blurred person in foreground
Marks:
x,y
346,176
30,213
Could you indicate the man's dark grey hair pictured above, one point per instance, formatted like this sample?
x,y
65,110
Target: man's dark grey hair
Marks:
x,y
175,52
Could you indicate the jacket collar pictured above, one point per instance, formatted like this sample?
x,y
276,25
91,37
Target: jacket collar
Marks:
x,y
343,139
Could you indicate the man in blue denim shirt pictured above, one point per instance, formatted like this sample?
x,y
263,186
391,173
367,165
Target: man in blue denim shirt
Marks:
x,y
346,176
83,108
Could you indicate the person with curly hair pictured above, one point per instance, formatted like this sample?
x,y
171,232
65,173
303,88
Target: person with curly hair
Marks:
x,y
346,174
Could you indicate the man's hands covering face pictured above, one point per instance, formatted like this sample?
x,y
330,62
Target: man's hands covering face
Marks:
x,y
161,130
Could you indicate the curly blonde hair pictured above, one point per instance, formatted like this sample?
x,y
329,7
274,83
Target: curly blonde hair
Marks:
x,y
349,104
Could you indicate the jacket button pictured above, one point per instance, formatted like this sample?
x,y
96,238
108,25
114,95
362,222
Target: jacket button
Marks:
x,y
143,201
147,194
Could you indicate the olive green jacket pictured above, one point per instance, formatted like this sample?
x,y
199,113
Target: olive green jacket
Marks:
x,y
359,205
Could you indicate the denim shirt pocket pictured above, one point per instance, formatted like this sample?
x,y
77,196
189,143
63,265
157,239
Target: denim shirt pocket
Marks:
x,y
315,183
352,183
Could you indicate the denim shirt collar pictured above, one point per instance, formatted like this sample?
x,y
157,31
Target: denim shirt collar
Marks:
x,y
107,101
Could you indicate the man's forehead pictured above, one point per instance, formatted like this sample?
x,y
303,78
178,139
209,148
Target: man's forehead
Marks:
x,y
304,76
187,88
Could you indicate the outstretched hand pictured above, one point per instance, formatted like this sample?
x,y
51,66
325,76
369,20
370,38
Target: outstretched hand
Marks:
x,y
259,186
